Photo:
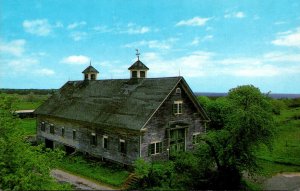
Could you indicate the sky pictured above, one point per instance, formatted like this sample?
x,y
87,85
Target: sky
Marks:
x,y
215,45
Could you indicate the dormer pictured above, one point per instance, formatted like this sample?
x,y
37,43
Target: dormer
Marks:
x,y
90,73
138,69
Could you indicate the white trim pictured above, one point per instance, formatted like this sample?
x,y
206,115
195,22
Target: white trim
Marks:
x,y
122,141
93,134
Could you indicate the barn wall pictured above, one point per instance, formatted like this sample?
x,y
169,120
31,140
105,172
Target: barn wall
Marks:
x,y
83,139
156,129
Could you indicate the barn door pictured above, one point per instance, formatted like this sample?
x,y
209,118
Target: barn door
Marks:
x,y
177,140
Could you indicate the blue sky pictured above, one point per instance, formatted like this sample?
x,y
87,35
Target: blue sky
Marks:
x,y
215,45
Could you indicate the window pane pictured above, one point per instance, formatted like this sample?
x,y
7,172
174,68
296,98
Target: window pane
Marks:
x,y
74,134
122,147
105,142
63,132
179,108
142,74
152,149
134,74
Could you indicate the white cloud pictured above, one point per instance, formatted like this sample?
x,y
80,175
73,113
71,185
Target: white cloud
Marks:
x,y
153,44
238,15
135,29
22,64
102,29
76,59
14,47
288,39
76,25
196,41
196,21
45,72
39,27
77,36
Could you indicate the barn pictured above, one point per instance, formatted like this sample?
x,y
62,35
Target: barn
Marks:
x,y
122,119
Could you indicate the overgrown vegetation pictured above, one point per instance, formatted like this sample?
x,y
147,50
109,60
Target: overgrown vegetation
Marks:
x,y
22,166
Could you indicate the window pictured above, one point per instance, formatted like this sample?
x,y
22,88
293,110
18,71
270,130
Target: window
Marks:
x,y
155,148
134,74
196,138
177,107
93,76
74,134
43,126
93,139
178,91
51,128
122,146
142,74
105,142
62,131
86,76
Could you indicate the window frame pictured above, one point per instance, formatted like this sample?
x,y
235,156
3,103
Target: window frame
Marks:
x,y
122,146
43,126
177,107
63,131
142,74
134,72
156,147
105,142
195,138
93,139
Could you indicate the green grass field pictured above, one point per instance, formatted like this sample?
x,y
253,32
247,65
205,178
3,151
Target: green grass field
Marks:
x,y
28,126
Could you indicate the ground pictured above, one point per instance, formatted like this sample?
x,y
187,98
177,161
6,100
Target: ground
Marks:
x,y
283,181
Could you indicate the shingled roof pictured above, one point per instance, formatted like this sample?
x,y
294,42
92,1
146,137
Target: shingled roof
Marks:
x,y
113,103
138,65
90,69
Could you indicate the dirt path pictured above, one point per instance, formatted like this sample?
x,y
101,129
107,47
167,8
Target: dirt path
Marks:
x,y
79,183
283,181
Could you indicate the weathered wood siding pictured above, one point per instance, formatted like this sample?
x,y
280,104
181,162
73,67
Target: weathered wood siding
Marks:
x,y
83,139
156,129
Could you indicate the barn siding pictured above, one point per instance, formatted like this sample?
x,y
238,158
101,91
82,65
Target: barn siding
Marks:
x,y
156,129
83,139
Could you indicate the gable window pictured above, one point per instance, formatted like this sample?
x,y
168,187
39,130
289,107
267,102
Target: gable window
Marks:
x,y
155,148
62,131
105,142
43,126
178,91
74,134
122,146
94,139
134,74
51,128
142,74
177,107
196,138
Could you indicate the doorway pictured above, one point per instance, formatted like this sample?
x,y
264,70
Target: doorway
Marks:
x,y
49,143
177,140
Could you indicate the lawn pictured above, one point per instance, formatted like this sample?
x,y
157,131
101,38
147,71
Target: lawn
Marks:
x,y
108,174
28,126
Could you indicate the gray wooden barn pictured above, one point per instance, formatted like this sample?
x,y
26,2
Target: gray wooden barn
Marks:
x,y
122,119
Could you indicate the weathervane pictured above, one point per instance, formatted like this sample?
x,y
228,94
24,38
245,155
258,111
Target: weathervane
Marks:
x,y
137,54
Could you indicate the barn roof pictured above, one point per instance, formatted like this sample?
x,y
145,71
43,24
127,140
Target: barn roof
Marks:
x,y
138,65
116,103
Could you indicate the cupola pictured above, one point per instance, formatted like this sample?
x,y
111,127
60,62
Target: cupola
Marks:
x,y
90,73
138,69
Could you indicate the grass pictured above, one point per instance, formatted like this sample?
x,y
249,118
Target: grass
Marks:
x,y
286,145
28,126
26,105
111,175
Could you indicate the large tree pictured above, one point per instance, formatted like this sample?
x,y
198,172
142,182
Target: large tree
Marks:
x,y
22,166
248,124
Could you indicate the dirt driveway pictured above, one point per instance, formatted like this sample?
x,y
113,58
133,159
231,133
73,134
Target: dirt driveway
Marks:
x,y
79,183
283,181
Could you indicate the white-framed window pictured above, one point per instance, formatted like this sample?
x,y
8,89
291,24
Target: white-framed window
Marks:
x,y
93,139
105,142
155,148
177,107
43,126
122,146
196,138
178,91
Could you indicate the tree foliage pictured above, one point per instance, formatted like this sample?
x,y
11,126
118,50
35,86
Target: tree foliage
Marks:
x,y
22,166
248,124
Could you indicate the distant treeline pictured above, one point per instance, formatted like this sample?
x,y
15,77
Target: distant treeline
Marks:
x,y
28,91
275,96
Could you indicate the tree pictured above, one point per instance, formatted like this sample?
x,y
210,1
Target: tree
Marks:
x,y
248,124
22,167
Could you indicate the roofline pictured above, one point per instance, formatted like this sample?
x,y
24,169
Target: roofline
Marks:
x,y
161,103
195,102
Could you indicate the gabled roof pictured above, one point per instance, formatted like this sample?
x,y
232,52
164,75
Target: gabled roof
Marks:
x,y
138,65
90,69
111,103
